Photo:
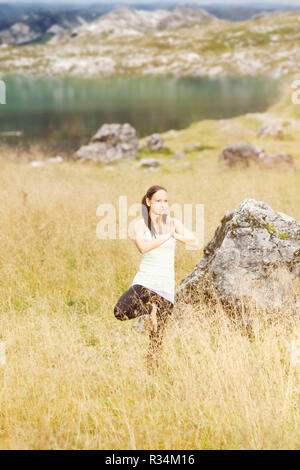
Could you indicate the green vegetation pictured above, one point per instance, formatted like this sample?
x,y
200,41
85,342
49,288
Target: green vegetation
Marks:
x,y
283,236
270,228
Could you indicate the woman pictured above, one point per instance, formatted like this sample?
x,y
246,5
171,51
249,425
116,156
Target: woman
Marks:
x,y
152,289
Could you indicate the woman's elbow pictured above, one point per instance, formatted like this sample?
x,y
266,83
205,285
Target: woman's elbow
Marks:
x,y
139,246
141,249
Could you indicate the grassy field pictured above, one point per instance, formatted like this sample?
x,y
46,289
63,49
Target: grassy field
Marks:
x,y
75,377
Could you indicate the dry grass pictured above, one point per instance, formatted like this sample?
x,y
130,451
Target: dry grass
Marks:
x,y
75,377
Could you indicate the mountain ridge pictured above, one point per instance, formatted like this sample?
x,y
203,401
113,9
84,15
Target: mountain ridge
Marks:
x,y
22,23
163,42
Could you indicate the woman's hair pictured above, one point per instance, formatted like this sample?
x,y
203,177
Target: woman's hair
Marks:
x,y
146,210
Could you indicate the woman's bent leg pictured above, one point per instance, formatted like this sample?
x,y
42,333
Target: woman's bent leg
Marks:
x,y
133,303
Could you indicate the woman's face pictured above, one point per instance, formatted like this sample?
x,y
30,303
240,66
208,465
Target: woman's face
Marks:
x,y
159,202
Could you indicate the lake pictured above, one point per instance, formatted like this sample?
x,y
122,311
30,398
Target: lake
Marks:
x,y
65,112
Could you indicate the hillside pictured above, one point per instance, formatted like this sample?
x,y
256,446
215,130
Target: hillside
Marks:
x,y
179,43
24,23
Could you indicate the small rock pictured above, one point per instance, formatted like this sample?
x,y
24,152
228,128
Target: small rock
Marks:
x,y
172,133
155,142
239,153
278,159
245,154
193,147
268,130
37,163
56,159
179,156
149,162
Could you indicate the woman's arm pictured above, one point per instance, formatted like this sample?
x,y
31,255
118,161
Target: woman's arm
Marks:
x,y
147,245
184,235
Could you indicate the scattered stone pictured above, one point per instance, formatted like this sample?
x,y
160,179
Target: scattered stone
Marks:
x,y
239,153
278,159
155,142
111,143
193,147
179,156
172,133
56,159
149,163
244,154
269,130
36,163
253,259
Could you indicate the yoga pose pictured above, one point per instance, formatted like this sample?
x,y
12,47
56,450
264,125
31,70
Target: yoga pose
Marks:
x,y
152,289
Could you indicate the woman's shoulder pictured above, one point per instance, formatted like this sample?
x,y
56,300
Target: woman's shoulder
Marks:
x,y
140,224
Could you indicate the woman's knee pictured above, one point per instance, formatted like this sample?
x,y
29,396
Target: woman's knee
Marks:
x,y
119,313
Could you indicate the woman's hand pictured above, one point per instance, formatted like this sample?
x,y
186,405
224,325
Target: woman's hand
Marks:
x,y
171,227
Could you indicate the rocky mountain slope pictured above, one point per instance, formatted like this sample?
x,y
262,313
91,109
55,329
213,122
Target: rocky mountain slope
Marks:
x,y
21,24
181,42
38,26
24,23
127,22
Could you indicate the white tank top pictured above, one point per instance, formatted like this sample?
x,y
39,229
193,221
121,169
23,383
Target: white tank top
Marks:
x,y
157,266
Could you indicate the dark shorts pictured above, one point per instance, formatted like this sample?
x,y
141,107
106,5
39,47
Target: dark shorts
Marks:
x,y
138,300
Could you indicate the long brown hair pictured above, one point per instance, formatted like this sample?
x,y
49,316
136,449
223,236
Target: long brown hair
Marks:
x,y
146,210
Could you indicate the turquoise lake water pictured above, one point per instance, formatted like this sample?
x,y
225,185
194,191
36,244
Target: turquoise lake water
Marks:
x,y
67,112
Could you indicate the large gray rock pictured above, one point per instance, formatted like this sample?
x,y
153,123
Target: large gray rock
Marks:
x,y
111,143
244,154
239,153
252,260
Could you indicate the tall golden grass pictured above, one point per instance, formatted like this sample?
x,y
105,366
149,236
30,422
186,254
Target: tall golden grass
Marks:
x,y
75,377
